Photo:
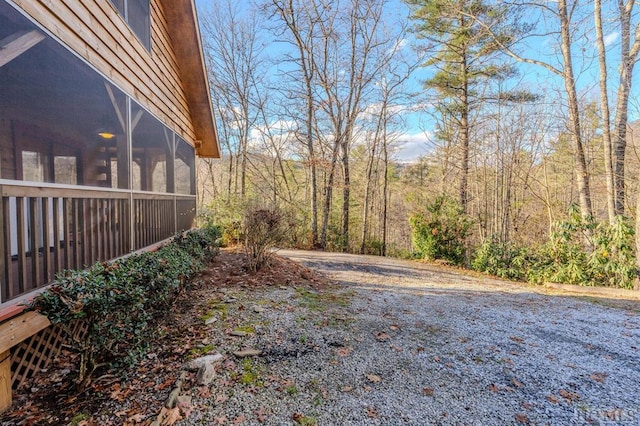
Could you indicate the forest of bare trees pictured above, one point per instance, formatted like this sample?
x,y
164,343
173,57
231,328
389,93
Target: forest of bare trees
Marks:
x,y
526,111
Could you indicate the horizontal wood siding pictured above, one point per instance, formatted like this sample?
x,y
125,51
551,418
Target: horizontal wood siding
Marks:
x,y
97,33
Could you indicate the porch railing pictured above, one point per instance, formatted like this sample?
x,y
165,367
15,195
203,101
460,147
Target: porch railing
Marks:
x,y
49,228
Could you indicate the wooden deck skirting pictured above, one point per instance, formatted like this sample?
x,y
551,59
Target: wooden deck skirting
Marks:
x,y
12,333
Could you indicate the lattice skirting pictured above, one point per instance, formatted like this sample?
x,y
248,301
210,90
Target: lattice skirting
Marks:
x,y
39,350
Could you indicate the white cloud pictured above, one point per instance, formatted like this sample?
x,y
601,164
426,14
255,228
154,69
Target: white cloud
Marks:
x,y
409,147
609,39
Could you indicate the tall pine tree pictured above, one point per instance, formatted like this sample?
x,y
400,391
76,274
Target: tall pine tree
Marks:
x,y
465,57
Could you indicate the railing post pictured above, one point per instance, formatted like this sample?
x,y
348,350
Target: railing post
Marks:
x,y
3,262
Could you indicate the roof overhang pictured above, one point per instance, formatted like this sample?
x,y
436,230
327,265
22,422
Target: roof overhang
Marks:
x,y
183,28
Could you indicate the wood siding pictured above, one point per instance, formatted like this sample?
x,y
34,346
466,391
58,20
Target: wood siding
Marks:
x,y
95,31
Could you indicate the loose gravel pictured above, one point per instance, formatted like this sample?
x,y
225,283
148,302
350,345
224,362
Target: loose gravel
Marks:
x,y
398,342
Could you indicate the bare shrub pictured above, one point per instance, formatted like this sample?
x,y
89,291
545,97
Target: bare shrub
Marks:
x,y
263,230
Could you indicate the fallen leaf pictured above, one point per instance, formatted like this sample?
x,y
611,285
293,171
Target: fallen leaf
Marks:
x,y
204,392
494,388
172,416
599,377
552,399
186,408
240,419
347,388
345,351
261,415
515,382
372,413
517,339
380,336
373,378
220,420
427,391
569,396
136,418
521,418
221,398
161,386
393,327
436,359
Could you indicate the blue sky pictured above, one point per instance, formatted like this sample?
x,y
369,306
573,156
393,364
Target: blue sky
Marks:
x,y
413,142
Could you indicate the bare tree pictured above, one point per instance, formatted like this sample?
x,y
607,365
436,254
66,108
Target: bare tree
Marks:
x,y
234,54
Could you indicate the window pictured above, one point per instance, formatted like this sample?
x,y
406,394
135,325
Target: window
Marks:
x,y
137,14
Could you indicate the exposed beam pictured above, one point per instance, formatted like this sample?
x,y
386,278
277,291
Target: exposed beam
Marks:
x,y
16,44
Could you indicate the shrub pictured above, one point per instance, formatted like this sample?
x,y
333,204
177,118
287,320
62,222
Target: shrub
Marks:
x,y
119,300
442,231
263,229
584,252
504,260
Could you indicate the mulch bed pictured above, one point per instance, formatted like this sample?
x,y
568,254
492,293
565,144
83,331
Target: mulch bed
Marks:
x,y
136,395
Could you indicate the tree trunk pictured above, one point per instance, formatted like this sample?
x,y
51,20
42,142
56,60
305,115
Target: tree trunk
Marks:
x,y
582,176
604,109
346,195
464,135
628,57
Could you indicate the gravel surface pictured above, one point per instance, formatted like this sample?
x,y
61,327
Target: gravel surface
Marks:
x,y
399,342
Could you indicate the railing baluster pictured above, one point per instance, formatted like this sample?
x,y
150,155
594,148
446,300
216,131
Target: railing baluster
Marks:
x,y
57,255
5,251
22,245
76,232
34,227
67,211
90,239
46,241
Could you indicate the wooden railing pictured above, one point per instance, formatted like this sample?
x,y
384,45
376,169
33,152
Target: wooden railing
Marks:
x,y
49,228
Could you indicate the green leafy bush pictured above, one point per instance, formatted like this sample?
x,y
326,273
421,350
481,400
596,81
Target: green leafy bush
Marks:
x,y
580,251
441,231
585,252
119,300
504,260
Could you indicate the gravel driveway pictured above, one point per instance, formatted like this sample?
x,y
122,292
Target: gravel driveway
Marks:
x,y
406,343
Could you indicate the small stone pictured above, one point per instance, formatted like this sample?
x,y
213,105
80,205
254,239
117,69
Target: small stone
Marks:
x,y
248,353
196,363
258,309
206,374
172,399
238,333
210,321
184,400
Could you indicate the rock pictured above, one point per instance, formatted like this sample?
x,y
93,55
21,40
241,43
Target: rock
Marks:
x,y
210,321
184,400
258,309
173,398
196,363
238,333
248,353
206,374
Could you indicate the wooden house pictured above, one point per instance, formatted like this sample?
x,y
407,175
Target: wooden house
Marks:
x,y
104,105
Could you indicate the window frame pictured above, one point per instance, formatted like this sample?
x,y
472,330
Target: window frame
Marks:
x,y
124,14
